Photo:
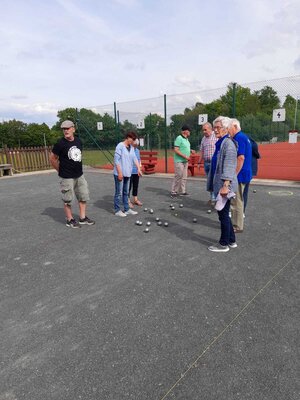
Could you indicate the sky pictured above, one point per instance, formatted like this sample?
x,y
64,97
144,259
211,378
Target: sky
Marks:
x,y
85,53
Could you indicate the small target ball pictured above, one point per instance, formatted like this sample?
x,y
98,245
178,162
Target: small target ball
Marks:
x,y
166,224
175,215
194,220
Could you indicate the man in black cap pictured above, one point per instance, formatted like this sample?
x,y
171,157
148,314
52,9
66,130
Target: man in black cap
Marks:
x,y
66,159
182,152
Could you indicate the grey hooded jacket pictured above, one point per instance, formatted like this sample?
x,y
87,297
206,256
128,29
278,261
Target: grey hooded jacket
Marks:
x,y
225,169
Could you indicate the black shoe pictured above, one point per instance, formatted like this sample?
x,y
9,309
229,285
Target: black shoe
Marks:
x,y
72,223
86,221
173,194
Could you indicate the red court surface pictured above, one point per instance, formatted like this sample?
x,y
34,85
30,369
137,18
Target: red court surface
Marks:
x,y
278,161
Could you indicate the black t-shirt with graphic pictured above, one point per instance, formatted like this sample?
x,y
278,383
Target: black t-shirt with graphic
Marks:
x,y
69,155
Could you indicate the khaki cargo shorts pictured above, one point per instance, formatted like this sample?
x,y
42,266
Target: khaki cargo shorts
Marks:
x,y
77,186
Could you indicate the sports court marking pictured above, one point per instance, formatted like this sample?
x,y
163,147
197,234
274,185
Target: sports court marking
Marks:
x,y
281,193
217,338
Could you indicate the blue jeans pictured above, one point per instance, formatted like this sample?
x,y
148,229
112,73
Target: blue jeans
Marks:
x,y
121,192
206,169
227,233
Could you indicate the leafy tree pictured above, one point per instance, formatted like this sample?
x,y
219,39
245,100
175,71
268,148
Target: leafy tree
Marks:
x,y
268,100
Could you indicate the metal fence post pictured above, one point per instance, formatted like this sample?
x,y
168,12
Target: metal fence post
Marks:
x,y
116,122
233,99
166,153
295,118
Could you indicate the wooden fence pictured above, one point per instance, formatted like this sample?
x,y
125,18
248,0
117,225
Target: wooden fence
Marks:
x,y
26,159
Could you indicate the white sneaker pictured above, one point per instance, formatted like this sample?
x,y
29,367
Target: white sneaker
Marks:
x,y
131,212
120,214
218,248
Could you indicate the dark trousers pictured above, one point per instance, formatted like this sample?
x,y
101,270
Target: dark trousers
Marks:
x,y
134,184
245,195
227,233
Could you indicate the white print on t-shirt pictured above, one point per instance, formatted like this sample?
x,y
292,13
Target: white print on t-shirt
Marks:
x,y
74,154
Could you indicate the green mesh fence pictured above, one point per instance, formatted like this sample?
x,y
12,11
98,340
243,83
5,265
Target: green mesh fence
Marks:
x,y
158,122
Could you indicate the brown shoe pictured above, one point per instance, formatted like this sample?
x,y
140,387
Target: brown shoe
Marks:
x,y
130,204
138,203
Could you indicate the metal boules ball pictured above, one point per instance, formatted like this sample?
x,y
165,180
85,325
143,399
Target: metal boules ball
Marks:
x,y
181,205
151,211
140,223
166,224
148,223
171,205
254,191
159,223
194,220
208,211
137,222
157,219
145,209
172,208
146,230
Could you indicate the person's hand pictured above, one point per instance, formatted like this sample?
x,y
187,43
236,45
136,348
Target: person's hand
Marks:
x,y
188,158
224,191
120,177
140,172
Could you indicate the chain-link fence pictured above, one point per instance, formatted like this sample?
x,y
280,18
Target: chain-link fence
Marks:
x,y
158,120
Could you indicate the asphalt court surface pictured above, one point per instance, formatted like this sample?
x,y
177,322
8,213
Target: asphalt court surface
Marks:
x,y
111,312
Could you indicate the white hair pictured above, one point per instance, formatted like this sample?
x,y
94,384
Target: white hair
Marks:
x,y
235,122
224,121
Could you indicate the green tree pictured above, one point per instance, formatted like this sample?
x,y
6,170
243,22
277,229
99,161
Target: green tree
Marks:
x,y
268,100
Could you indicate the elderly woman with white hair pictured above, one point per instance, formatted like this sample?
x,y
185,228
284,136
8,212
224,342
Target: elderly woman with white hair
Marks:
x,y
222,180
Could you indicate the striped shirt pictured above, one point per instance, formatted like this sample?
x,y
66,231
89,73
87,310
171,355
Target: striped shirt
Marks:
x,y
207,146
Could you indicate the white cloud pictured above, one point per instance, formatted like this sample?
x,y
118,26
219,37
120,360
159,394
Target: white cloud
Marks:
x,y
64,52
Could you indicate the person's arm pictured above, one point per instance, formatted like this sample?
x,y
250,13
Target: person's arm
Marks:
x,y
225,188
54,161
240,163
178,152
139,166
117,161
